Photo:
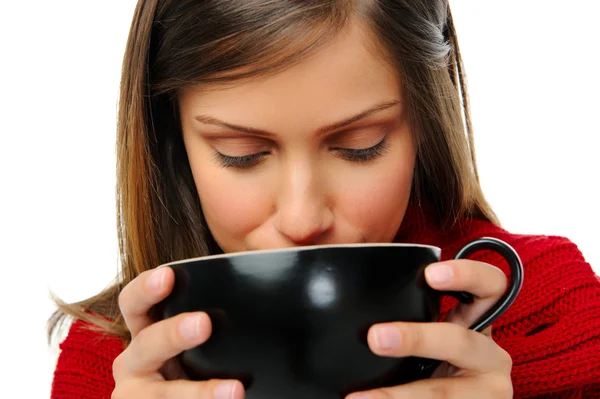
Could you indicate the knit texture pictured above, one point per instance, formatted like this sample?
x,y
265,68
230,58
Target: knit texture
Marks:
x,y
552,331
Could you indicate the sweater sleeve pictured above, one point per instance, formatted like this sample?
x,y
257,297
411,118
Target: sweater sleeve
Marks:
x,y
553,335
84,366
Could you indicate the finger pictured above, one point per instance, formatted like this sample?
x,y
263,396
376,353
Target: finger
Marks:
x,y
487,283
480,279
183,389
212,389
492,387
143,292
461,347
161,341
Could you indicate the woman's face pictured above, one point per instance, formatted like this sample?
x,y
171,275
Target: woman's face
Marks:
x,y
321,153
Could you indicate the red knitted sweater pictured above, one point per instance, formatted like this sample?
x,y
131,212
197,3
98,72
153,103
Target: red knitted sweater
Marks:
x,y
552,331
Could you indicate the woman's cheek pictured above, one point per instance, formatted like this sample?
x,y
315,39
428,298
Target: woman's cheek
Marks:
x,y
377,202
233,205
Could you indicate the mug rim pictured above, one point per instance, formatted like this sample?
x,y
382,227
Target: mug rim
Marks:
x,y
436,249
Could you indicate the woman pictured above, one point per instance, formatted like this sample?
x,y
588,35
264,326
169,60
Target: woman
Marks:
x,y
247,125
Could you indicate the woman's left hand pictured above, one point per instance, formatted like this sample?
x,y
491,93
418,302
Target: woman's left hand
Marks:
x,y
474,365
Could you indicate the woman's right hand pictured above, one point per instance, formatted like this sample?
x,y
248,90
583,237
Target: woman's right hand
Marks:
x,y
137,369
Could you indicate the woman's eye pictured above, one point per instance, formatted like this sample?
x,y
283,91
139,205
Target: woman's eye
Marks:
x,y
350,154
362,154
245,161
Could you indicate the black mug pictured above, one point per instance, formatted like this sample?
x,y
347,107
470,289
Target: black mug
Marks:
x,y
292,323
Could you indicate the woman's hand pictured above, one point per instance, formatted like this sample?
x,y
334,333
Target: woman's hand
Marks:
x,y
137,369
475,366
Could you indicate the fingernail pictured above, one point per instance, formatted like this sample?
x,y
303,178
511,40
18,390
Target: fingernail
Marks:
x,y
359,395
225,390
439,274
189,327
156,279
387,337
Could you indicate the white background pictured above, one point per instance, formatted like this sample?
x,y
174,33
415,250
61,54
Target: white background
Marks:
x,y
533,72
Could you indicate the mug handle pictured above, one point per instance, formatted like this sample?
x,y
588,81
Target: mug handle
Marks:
x,y
515,284
427,366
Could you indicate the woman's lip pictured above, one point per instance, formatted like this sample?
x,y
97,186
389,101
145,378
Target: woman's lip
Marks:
x,y
362,240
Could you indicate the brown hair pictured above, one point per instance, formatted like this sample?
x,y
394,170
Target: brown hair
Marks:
x,y
176,43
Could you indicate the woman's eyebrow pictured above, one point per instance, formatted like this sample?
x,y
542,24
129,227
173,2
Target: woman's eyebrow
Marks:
x,y
209,120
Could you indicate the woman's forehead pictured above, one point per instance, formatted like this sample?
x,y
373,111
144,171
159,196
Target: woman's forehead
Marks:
x,y
346,72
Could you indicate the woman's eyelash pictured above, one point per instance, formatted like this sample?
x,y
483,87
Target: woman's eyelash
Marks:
x,y
361,155
245,161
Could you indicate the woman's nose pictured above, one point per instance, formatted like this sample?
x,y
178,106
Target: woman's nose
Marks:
x,y
303,213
